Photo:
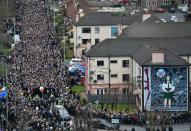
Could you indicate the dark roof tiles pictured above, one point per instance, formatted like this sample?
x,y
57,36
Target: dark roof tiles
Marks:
x,y
105,19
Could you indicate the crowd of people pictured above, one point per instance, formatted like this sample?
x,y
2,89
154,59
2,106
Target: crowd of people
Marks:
x,y
38,80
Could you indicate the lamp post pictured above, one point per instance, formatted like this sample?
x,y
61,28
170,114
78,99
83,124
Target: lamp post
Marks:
x,y
109,78
7,8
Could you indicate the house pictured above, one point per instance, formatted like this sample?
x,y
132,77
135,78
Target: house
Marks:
x,y
120,63
96,27
154,4
76,9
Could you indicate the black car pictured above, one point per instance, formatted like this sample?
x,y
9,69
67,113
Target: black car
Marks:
x,y
102,124
172,10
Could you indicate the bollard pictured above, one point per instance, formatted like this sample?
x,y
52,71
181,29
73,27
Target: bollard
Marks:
x,y
133,129
170,129
163,128
148,129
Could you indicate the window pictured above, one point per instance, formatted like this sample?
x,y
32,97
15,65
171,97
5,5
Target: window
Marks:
x,y
86,30
105,91
101,91
85,41
125,91
114,31
125,63
113,61
97,91
100,63
113,75
125,77
139,71
100,77
97,30
96,41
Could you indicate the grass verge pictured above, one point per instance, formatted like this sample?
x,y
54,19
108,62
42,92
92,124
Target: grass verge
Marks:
x,y
78,89
116,107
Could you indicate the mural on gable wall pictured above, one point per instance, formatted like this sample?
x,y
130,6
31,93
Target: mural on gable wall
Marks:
x,y
166,88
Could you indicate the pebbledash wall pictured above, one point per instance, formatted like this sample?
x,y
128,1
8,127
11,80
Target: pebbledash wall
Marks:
x,y
99,33
136,78
97,79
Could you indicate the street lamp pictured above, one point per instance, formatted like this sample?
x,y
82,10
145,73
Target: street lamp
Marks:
x,y
7,9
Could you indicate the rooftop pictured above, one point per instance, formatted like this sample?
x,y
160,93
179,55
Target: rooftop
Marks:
x,y
157,30
141,49
105,19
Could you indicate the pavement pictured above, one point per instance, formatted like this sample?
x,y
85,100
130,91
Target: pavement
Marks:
x,y
178,127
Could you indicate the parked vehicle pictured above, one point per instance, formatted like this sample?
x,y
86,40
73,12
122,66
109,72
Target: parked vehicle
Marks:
x,y
102,124
124,1
78,67
75,61
172,9
159,10
183,8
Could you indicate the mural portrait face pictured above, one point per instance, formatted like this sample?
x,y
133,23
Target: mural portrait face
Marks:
x,y
168,88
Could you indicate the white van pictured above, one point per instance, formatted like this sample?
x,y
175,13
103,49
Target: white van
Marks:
x,y
183,8
75,61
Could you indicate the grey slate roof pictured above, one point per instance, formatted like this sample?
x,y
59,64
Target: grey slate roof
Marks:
x,y
97,3
105,18
141,49
143,56
157,30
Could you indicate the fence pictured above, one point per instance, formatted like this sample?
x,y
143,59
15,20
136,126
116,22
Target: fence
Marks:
x,y
114,98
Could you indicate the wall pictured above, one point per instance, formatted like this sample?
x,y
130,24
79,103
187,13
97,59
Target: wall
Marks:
x,y
116,68
105,32
188,59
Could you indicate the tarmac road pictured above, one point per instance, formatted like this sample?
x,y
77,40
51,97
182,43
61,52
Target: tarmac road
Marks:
x,y
178,127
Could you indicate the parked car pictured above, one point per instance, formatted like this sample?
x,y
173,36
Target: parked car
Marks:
x,y
172,9
102,124
183,8
159,10
79,67
123,1
67,121
75,61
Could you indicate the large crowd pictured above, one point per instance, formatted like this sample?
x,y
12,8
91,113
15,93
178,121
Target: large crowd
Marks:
x,y
36,64
37,76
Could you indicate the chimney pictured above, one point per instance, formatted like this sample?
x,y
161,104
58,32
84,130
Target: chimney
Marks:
x,y
77,17
120,29
158,57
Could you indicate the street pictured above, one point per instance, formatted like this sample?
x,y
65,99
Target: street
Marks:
x,y
178,127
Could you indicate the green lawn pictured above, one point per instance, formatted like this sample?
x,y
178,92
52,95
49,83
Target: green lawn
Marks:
x,y
78,89
117,107
3,69
3,8
4,49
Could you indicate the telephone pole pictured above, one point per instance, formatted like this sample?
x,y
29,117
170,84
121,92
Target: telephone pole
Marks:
x,y
7,8
109,79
